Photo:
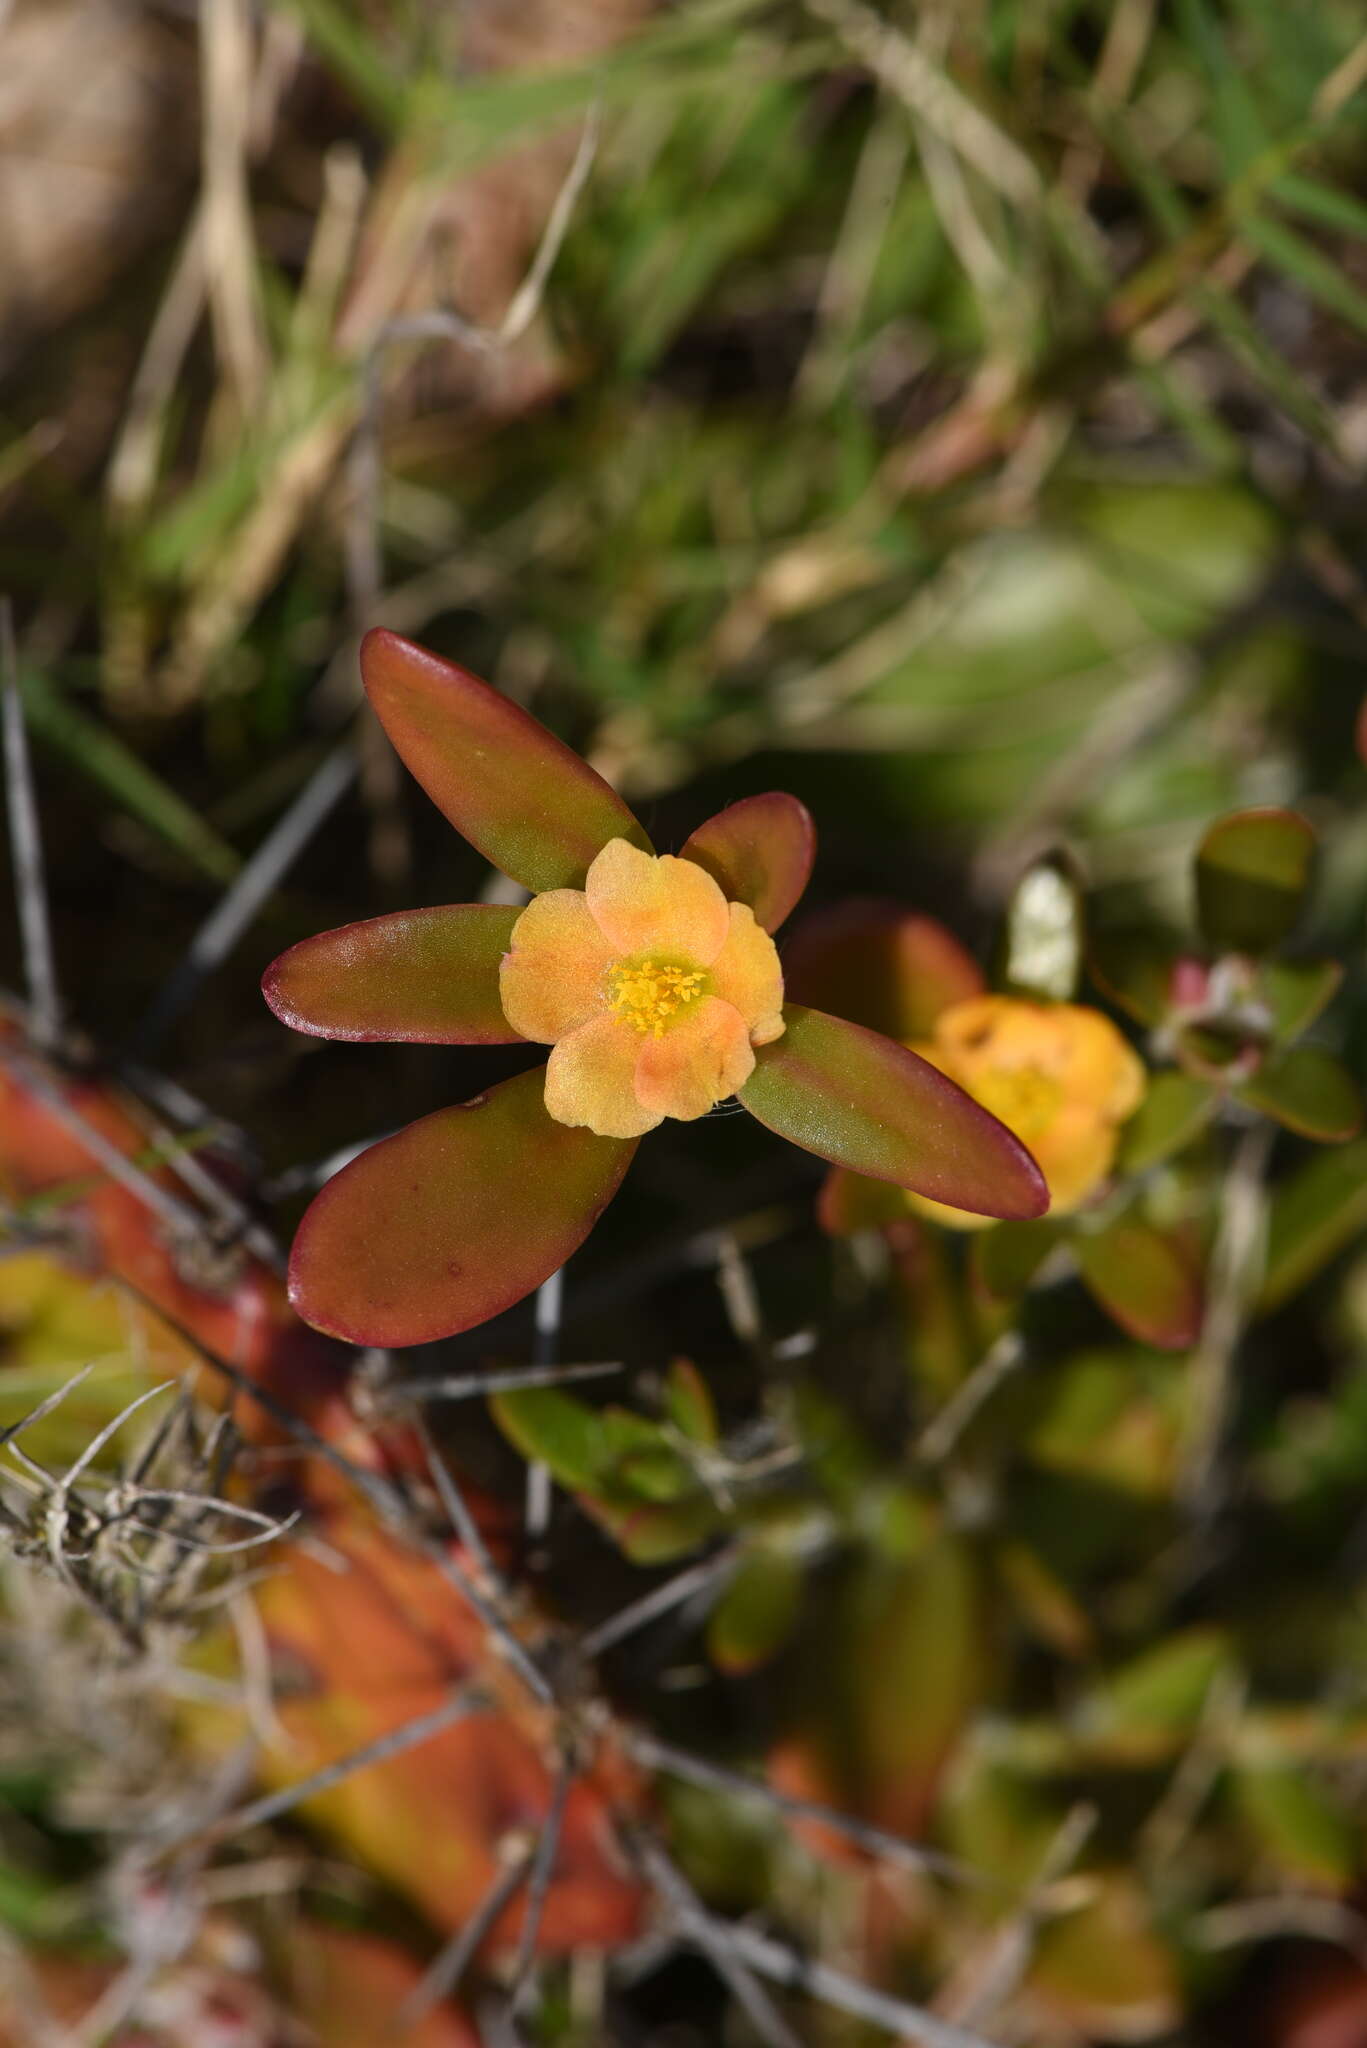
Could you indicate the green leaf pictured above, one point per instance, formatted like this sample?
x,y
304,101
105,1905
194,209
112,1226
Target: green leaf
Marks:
x,y
1144,1281
639,1459
117,770
861,1101
1172,1113
1252,871
1134,970
1297,992
881,966
1157,1699
452,1220
428,977
849,1202
921,1630
1042,942
1309,1091
552,1428
1004,1261
1102,1970
1319,278
515,791
1313,1216
653,1532
1306,1837
757,1612
759,851
689,1404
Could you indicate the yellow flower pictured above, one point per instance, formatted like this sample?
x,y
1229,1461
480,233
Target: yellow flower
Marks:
x,y
1057,1074
651,987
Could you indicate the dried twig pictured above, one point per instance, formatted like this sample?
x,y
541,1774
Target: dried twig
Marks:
x,y
26,847
465,1700
245,895
444,1973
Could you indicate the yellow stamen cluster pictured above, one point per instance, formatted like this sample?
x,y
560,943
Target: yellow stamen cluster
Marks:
x,y
1023,1097
649,995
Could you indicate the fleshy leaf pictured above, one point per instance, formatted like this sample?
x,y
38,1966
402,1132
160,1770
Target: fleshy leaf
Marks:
x,y
689,1404
429,977
1005,1261
1297,992
1314,1215
1296,1825
848,1202
759,851
1150,1706
453,1219
553,1429
1144,1280
1103,1972
881,966
1309,1091
1252,871
1176,1107
1135,970
756,1614
516,792
1042,940
859,1100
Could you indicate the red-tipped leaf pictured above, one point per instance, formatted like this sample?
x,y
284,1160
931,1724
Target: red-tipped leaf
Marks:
x,y
760,851
1309,1091
889,969
516,792
452,1220
1253,869
1145,1281
861,1101
429,977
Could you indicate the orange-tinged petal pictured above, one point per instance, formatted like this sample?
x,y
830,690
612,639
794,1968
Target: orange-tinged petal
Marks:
x,y
999,1032
747,974
1100,1066
696,1063
656,904
589,1080
552,977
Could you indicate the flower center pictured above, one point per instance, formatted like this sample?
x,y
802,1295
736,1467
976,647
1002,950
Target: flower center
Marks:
x,y
1026,1099
650,995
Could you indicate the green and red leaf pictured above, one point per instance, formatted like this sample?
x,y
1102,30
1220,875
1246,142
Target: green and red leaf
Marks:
x,y
861,1101
1145,1281
758,851
1252,871
453,1219
1004,1262
516,792
757,1613
429,977
1297,992
1309,1091
1139,971
1175,1109
886,968
849,1203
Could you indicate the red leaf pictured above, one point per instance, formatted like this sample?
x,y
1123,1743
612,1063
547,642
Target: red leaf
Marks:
x,y
452,1220
859,1100
515,791
881,966
760,851
429,977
